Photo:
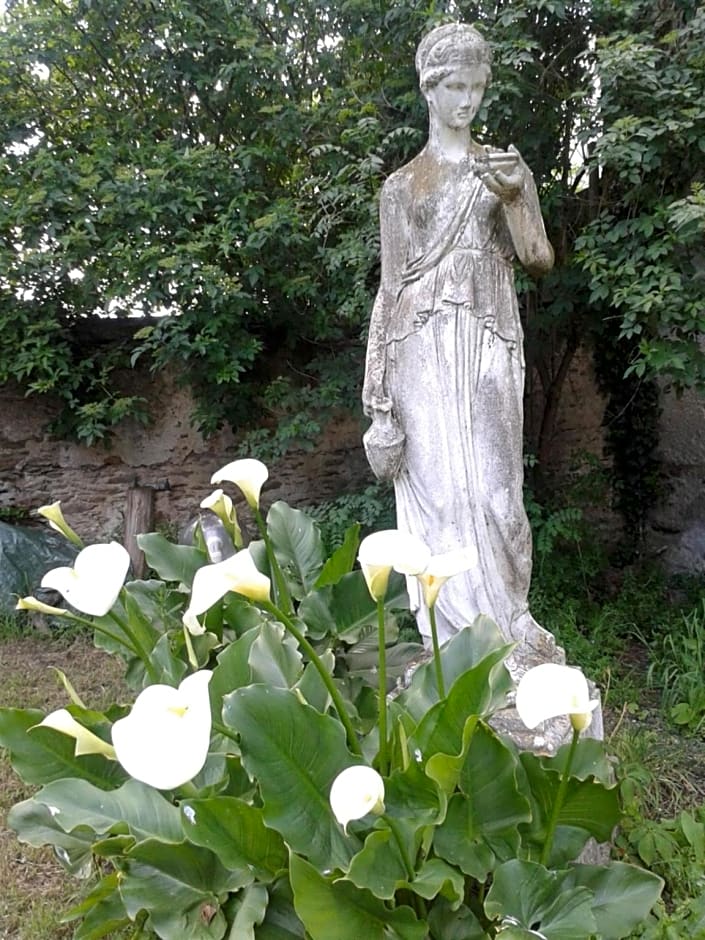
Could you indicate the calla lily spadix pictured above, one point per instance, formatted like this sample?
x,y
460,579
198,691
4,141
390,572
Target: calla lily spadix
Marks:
x,y
86,742
355,792
389,549
551,689
248,474
94,582
442,567
55,517
212,582
164,740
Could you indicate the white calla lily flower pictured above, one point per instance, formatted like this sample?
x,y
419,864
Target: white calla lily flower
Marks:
x,y
389,549
442,567
86,741
355,792
248,474
55,517
551,689
164,740
94,582
221,505
212,582
31,603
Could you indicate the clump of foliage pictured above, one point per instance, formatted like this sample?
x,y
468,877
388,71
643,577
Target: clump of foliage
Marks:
x,y
265,677
678,670
223,169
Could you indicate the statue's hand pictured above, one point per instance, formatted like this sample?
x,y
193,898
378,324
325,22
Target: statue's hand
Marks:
x,y
503,172
374,402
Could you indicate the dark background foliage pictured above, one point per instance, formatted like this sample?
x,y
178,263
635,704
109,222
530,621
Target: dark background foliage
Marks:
x,y
207,174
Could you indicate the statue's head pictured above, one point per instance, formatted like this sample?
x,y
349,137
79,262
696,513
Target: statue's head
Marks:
x,y
448,48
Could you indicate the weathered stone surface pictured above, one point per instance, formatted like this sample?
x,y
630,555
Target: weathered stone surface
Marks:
x,y
445,353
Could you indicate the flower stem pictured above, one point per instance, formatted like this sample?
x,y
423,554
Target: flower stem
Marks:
x,y
280,585
326,678
225,731
393,825
382,640
559,801
437,652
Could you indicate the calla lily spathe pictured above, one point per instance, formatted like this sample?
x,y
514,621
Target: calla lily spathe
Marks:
x,y
55,517
551,689
248,474
86,742
164,740
212,582
94,582
442,567
355,792
389,549
221,504
31,603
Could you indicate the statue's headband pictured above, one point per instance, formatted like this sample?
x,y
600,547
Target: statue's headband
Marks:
x,y
453,46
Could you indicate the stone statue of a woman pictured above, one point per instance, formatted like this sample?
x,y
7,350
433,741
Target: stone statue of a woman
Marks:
x,y
445,364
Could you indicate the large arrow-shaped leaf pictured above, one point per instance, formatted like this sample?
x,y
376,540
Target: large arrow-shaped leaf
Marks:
x,y
236,832
295,753
297,545
341,910
145,812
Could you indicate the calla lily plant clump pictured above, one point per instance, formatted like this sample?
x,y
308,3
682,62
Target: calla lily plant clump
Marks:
x,y
281,773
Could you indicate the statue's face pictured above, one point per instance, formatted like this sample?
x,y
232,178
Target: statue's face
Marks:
x,y
455,100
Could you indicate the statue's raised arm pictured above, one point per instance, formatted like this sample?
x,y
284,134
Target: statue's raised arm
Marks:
x,y
445,366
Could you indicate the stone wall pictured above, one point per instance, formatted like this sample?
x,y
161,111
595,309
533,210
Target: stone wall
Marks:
x,y
169,455
678,522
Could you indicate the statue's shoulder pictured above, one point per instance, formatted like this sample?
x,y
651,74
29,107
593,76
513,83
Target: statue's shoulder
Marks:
x,y
400,185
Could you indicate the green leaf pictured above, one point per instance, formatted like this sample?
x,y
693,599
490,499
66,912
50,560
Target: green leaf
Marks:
x,y
142,809
311,686
233,669
321,903
463,652
447,924
274,657
477,692
481,826
344,609
178,885
171,562
436,877
623,895
251,904
540,900
280,921
342,561
295,753
589,805
37,826
412,796
297,545
378,866
236,832
40,754
101,911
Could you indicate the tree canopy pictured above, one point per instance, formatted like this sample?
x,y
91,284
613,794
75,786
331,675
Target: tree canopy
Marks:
x,y
214,166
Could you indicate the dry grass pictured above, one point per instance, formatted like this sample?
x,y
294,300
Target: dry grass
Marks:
x,y
35,890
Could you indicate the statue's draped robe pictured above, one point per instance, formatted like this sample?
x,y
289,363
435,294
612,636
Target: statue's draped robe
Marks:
x,y
452,357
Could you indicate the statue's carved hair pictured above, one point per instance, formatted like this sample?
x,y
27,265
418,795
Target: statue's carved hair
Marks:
x,y
451,47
